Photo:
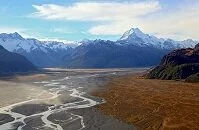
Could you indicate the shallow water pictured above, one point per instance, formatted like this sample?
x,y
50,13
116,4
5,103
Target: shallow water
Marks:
x,y
69,91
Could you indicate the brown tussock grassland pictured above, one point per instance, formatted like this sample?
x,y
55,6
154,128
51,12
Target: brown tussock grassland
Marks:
x,y
152,104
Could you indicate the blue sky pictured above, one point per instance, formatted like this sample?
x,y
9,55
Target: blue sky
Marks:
x,y
106,19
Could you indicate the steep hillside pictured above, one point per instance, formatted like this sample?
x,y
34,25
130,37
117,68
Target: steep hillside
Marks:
x,y
178,64
12,62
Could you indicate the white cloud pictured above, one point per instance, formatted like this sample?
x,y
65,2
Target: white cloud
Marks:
x,y
61,30
114,18
25,33
96,11
10,29
113,28
57,40
21,31
180,24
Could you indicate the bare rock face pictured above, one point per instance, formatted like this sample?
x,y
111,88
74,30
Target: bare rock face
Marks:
x,y
181,56
197,46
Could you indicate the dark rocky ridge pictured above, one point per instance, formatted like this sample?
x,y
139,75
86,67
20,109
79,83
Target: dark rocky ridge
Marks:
x,y
12,62
179,64
181,56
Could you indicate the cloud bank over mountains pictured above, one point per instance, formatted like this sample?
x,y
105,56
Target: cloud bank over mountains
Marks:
x,y
113,18
100,19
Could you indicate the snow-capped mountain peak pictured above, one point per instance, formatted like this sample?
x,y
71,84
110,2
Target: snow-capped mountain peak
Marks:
x,y
16,35
41,53
189,43
136,37
11,36
15,42
133,32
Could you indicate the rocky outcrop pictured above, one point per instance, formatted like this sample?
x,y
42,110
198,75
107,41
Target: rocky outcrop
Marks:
x,y
181,56
179,64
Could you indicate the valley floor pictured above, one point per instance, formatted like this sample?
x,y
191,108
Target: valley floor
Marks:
x,y
20,89
152,104
58,99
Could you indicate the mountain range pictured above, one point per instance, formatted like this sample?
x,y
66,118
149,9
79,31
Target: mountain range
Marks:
x,y
136,37
133,49
41,53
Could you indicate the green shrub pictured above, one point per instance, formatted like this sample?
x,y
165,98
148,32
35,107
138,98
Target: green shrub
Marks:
x,y
193,78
